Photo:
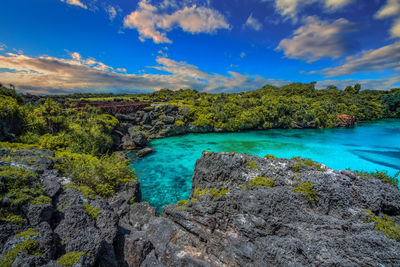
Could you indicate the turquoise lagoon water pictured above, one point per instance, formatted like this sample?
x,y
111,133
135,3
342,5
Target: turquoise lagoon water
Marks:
x,y
166,175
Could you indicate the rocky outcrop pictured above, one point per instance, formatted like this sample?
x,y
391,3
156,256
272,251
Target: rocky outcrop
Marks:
x,y
159,120
70,221
243,211
251,211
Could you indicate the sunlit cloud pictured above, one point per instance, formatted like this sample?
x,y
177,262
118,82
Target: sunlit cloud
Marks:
x,y
252,23
291,8
50,75
75,3
319,38
391,10
154,22
384,58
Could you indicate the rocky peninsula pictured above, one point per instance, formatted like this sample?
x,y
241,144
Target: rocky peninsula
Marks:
x,y
243,211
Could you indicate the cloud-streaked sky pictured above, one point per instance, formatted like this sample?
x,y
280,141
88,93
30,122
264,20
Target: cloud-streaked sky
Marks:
x,y
62,46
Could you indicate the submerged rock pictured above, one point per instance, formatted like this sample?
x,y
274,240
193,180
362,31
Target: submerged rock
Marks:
x,y
144,152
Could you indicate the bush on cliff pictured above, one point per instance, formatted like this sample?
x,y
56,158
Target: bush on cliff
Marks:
x,y
104,175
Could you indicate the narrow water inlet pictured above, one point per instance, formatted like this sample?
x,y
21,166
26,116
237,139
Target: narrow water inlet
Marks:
x,y
166,175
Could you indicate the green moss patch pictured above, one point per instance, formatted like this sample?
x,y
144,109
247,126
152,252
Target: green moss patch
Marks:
x,y
28,246
261,181
70,258
385,225
252,165
91,211
212,191
307,189
296,167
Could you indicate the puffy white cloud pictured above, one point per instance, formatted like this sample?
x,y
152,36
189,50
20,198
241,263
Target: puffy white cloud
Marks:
x,y
389,10
242,55
153,22
75,3
384,58
392,8
252,23
291,8
50,75
317,39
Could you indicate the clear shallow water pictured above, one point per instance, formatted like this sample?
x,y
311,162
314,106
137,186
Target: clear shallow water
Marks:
x,y
166,175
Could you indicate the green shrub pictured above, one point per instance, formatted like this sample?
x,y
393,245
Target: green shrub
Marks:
x,y
103,175
41,200
385,225
270,157
261,181
16,146
8,217
22,186
307,190
87,192
92,212
70,258
381,175
179,123
8,107
296,167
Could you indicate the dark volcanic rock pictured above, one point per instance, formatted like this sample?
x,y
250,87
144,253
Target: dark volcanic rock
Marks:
x,y
228,221
262,226
144,152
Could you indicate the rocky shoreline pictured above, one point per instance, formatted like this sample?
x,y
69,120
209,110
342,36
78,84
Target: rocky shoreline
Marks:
x,y
136,130
243,211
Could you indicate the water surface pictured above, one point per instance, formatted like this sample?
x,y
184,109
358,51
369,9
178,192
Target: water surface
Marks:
x,y
166,175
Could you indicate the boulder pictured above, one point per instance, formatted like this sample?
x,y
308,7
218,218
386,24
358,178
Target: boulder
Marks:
x,y
144,152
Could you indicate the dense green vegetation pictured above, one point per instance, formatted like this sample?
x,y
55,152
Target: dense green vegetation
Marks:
x,y
81,139
294,105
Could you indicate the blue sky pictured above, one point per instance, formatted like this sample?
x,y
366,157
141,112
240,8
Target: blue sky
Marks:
x,y
67,46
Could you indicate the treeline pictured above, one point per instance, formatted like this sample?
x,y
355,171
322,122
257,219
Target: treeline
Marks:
x,y
290,106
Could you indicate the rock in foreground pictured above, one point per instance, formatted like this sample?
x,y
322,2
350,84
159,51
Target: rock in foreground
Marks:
x,y
251,211
243,211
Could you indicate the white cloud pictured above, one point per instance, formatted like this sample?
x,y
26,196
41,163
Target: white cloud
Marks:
x,y
291,8
75,3
242,55
395,30
112,12
391,9
2,46
252,23
384,58
153,22
317,39
50,75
